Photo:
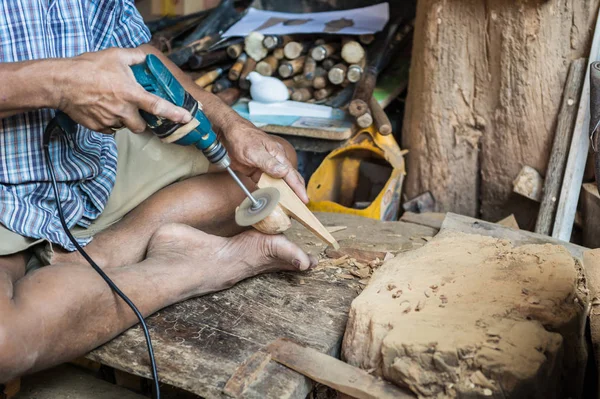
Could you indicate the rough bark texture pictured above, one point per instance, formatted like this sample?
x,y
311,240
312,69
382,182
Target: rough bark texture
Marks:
x,y
471,316
486,83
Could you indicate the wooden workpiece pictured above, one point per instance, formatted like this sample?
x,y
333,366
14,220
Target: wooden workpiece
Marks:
x,y
296,209
201,343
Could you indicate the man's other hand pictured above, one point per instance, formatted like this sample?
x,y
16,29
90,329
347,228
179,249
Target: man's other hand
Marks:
x,y
253,152
98,90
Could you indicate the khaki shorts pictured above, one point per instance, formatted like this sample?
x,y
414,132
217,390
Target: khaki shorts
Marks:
x,y
145,165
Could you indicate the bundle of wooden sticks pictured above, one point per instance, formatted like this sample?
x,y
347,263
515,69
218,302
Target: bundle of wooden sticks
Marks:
x,y
339,71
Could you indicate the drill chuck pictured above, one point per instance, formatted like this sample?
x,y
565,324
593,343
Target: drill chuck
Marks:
x,y
217,154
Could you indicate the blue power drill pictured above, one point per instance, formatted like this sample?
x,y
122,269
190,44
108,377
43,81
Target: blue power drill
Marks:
x,y
154,76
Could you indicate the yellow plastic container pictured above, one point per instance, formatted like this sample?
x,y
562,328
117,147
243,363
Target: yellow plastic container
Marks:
x,y
333,185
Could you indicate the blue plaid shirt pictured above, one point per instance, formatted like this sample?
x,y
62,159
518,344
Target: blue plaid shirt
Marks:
x,y
85,164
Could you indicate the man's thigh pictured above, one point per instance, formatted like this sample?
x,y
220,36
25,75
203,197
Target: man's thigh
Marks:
x,y
145,165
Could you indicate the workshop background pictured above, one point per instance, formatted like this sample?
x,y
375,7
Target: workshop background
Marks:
x,y
457,136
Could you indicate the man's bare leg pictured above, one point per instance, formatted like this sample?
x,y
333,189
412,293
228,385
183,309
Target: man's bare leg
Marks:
x,y
61,311
205,202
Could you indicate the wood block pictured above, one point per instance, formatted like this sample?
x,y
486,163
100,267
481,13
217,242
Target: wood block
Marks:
x,y
472,316
332,372
590,205
510,222
529,183
296,209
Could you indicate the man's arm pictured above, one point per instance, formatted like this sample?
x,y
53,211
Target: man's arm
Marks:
x,y
98,90
252,151
28,85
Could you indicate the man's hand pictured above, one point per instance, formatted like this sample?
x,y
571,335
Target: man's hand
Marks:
x,y
253,152
99,91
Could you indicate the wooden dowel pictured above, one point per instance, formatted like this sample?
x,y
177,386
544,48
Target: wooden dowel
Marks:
x,y
221,84
200,61
354,74
272,42
323,93
293,50
365,120
278,53
560,147
352,52
249,66
328,63
363,93
384,126
309,68
235,50
209,77
253,46
236,69
323,51
337,74
291,67
303,94
268,66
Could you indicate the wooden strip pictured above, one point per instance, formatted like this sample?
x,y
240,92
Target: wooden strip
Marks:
x,y
569,195
332,372
560,148
246,374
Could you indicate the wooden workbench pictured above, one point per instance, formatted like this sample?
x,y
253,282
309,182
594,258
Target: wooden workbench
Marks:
x,y
200,343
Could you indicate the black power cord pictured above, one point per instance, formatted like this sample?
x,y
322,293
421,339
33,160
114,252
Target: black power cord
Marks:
x,y
61,123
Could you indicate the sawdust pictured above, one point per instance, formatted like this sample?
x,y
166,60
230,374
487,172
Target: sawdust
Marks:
x,y
468,314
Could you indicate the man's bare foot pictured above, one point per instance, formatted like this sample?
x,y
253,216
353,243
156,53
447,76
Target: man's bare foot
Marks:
x,y
222,262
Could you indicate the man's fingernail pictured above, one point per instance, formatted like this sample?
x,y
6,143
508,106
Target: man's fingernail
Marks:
x,y
187,117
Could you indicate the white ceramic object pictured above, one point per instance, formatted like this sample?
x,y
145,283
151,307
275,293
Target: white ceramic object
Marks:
x,y
266,89
290,108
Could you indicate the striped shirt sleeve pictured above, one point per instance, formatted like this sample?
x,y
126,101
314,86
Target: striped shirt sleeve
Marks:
x,y
129,29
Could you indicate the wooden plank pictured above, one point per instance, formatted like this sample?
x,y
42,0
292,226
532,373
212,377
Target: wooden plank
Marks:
x,y
295,208
560,148
591,264
590,206
470,225
200,343
569,195
332,372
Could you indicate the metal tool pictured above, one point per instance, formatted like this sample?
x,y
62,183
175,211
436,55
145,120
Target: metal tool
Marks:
x,y
154,76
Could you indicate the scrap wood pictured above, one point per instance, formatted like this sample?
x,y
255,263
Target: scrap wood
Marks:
x,y
246,374
361,255
591,264
332,372
578,152
335,229
509,221
560,147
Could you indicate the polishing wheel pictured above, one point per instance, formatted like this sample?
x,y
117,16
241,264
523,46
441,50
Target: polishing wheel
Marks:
x,y
247,215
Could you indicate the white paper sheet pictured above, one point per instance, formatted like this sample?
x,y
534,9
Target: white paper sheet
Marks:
x,y
357,21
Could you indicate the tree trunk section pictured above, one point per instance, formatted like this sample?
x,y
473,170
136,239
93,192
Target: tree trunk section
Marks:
x,y
485,88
